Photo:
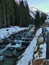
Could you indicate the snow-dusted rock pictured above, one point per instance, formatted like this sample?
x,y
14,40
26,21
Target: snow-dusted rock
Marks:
x,y
1,58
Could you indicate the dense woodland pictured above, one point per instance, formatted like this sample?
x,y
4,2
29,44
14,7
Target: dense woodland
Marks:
x,y
12,14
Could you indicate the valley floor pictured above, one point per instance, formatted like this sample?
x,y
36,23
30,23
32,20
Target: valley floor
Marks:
x,y
36,49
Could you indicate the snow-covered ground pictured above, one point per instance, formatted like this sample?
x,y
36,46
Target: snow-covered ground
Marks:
x,y
28,54
4,33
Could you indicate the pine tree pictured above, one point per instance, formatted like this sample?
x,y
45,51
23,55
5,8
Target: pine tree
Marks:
x,y
21,14
43,18
1,13
17,14
4,12
10,14
25,18
27,15
37,19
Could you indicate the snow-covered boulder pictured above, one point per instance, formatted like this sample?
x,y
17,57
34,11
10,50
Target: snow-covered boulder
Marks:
x,y
1,58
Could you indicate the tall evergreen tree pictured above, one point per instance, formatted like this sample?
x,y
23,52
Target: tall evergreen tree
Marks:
x,y
27,15
43,18
4,12
21,10
17,14
25,18
1,13
37,19
10,14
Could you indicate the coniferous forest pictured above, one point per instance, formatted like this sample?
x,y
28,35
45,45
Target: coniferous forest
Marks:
x,y
12,14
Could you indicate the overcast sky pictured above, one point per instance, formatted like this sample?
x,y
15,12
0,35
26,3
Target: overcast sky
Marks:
x,y
42,5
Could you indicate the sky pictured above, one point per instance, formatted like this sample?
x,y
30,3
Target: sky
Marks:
x,y
42,5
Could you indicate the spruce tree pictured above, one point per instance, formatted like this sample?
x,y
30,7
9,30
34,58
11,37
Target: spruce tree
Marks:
x,y
43,18
21,14
27,15
10,14
15,10
1,14
37,19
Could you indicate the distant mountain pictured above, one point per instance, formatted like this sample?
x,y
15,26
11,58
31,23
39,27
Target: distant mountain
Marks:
x,y
33,8
33,11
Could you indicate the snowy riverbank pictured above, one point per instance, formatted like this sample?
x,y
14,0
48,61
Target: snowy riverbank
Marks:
x,y
28,54
5,32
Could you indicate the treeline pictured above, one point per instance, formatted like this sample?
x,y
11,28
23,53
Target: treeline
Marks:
x,y
12,14
40,18
7,12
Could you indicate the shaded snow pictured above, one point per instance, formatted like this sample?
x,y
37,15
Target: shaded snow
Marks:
x,y
32,15
38,32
